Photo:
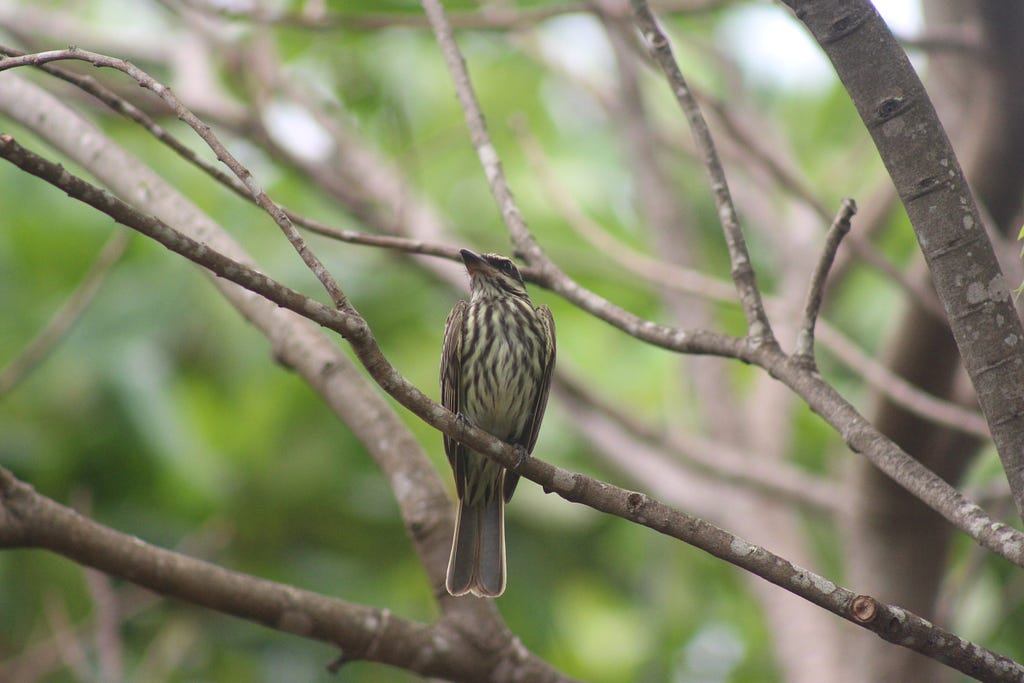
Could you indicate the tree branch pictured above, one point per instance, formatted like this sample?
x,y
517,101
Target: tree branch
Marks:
x,y
206,133
122,106
682,279
28,519
900,117
525,244
758,327
861,247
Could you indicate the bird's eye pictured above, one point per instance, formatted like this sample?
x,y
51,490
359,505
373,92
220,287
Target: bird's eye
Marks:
x,y
505,266
510,269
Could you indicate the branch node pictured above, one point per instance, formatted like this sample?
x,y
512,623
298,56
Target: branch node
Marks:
x,y
864,609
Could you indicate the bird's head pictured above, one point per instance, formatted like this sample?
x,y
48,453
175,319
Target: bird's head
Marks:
x,y
492,275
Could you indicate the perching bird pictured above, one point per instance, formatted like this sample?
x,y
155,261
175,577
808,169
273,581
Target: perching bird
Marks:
x,y
495,373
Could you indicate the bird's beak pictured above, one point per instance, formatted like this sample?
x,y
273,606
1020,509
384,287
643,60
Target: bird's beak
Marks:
x,y
474,264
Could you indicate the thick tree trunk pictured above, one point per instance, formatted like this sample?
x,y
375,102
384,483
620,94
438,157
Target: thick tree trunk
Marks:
x,y
899,547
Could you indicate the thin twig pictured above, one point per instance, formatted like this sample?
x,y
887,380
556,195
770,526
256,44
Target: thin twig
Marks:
x,y
206,133
120,105
756,151
107,645
788,181
759,329
133,113
525,244
815,291
746,148
65,318
347,323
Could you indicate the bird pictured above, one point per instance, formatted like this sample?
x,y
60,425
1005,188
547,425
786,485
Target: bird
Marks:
x,y
496,365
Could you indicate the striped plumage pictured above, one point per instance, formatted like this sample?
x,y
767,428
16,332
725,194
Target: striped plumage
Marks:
x,y
495,373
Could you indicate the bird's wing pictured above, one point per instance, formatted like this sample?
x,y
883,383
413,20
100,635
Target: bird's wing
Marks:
x,y
540,403
451,371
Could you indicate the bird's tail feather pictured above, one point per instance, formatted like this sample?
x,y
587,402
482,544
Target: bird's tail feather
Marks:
x,y
477,562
